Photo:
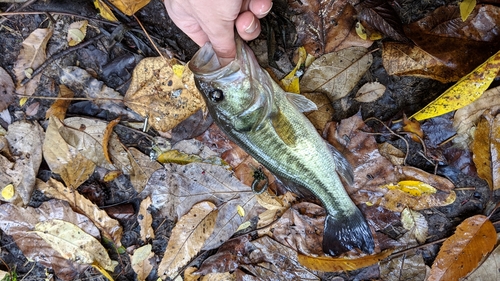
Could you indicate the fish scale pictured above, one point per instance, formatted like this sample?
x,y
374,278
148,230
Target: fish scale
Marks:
x,y
266,122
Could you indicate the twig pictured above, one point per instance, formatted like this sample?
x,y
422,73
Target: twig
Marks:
x,y
61,54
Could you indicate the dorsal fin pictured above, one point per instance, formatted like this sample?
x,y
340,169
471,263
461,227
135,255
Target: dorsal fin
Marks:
x,y
343,167
302,103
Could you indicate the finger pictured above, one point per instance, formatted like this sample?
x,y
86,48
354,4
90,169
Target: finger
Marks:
x,y
222,40
248,26
260,8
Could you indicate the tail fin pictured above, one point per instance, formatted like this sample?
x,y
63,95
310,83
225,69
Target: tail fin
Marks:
x,y
344,233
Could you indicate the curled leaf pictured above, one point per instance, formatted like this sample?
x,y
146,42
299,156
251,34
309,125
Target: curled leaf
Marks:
x,y
330,264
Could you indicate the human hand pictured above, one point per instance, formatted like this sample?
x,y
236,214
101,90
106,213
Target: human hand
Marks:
x,y
214,21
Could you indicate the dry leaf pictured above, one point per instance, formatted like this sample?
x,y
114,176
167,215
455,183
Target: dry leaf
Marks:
x,y
319,118
142,168
370,92
59,107
188,237
335,74
467,117
461,253
145,220
485,149
415,223
465,91
32,109
76,32
25,143
7,89
110,228
177,188
325,26
466,8
73,243
19,222
410,267
141,261
106,138
64,159
488,270
31,56
330,264
129,7
290,83
164,91
392,153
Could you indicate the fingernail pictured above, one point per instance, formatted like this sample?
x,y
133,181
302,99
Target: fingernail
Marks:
x,y
267,12
252,27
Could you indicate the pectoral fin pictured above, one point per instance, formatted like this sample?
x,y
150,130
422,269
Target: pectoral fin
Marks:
x,y
302,103
343,167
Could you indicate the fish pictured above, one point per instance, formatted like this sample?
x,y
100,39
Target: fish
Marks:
x,y
269,124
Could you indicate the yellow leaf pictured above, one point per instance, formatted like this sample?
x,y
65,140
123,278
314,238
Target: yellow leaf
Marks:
x,y
112,175
59,107
330,264
361,31
76,32
414,188
241,211
129,7
102,271
464,92
8,192
416,223
466,7
105,10
244,225
73,243
291,82
140,261
178,70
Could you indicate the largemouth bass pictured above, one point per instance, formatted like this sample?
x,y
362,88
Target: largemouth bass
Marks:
x,y
255,113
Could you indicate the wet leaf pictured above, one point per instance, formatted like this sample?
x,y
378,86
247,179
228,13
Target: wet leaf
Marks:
x,y
19,223
325,26
129,7
370,92
142,168
188,237
145,220
412,187
466,8
290,83
446,37
177,188
110,228
25,143
473,239
31,56
164,96
465,91
104,10
76,32
415,223
7,89
488,270
107,136
335,74
485,147
412,126
410,267
73,243
330,264
59,107
466,118
141,261
380,15
64,159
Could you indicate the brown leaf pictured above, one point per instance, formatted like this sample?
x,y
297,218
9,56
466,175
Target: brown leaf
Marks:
x,y
7,89
110,228
336,74
188,237
330,264
412,126
380,15
164,91
488,270
107,136
326,26
32,109
461,46
145,220
76,32
31,56
485,147
141,261
409,267
59,107
473,239
129,7
142,168
324,114
19,223
370,92
64,159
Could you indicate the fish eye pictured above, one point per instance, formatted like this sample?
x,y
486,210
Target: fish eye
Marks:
x,y
216,95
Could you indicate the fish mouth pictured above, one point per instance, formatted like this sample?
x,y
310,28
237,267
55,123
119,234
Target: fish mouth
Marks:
x,y
206,66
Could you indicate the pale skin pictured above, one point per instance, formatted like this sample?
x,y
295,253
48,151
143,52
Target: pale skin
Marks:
x,y
215,21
